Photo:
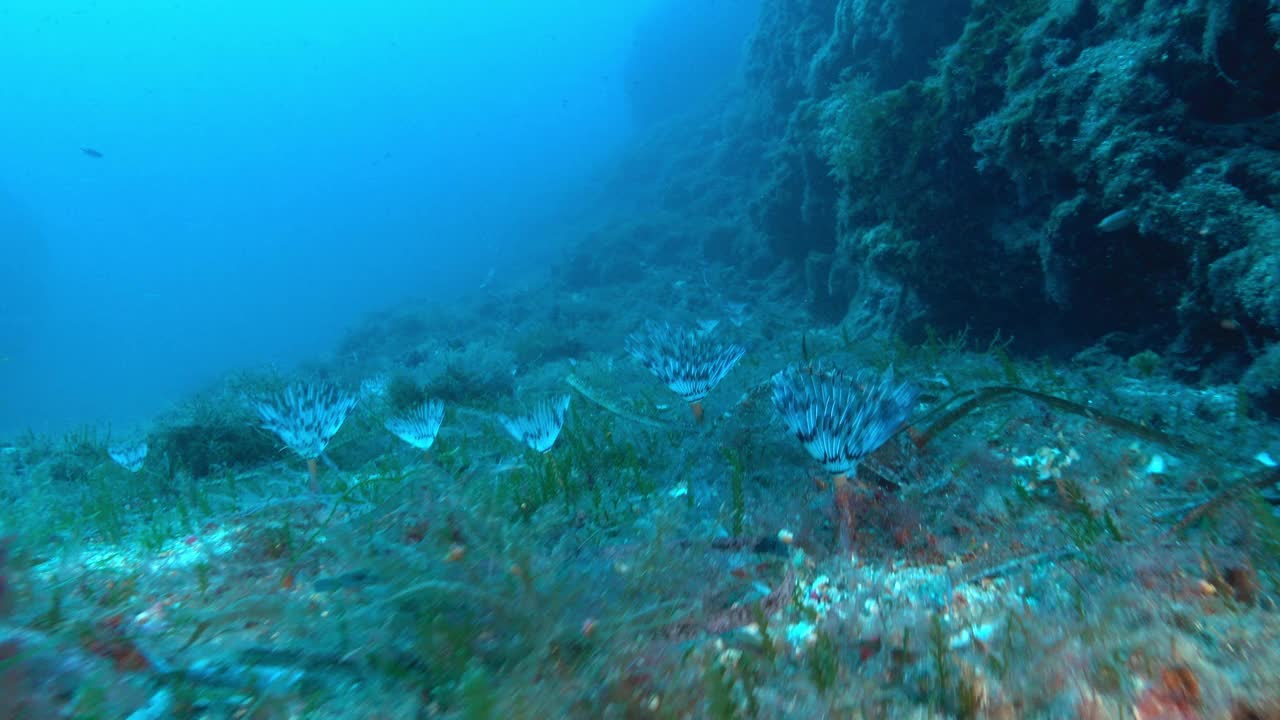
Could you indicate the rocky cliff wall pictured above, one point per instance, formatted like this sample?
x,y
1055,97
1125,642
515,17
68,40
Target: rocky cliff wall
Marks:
x,y
1071,172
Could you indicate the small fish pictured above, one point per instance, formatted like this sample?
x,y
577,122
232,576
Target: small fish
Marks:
x,y
1117,220
91,153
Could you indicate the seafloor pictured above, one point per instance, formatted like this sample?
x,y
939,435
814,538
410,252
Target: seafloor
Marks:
x,y
1083,538
1079,520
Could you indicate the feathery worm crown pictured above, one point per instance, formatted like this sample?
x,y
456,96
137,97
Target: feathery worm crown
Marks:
x,y
688,363
129,455
838,419
540,428
420,426
306,416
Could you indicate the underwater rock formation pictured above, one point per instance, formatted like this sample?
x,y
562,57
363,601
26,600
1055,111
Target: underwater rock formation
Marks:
x,y
1062,171
1037,121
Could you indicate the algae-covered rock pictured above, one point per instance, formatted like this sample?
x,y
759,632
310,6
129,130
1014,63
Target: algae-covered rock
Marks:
x,y
1056,160
1057,170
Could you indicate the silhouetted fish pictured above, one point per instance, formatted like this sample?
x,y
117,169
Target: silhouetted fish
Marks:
x,y
91,152
1118,220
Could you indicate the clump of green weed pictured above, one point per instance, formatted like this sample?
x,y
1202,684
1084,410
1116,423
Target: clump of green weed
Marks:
x,y
1145,363
403,394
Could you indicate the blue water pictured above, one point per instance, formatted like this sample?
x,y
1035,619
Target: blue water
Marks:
x,y
271,172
